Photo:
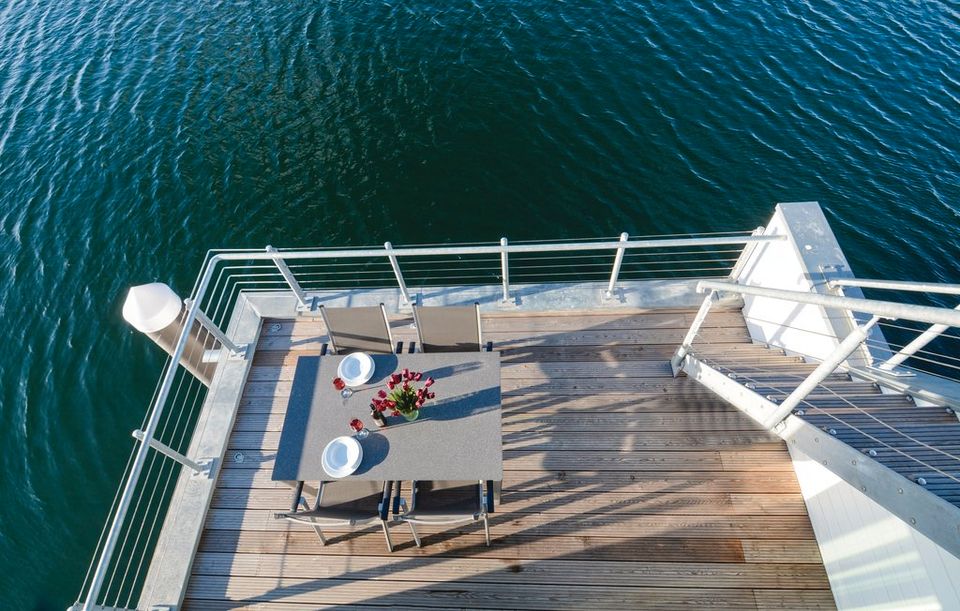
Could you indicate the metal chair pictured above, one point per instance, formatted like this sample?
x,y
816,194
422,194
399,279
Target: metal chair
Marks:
x,y
361,329
449,328
445,503
343,503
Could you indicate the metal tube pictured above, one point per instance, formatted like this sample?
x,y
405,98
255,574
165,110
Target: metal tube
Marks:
x,y
505,269
849,344
884,309
745,255
687,342
396,272
898,285
918,343
154,419
169,452
372,253
214,330
278,260
617,262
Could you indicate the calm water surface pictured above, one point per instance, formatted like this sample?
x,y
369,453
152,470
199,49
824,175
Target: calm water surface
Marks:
x,y
134,136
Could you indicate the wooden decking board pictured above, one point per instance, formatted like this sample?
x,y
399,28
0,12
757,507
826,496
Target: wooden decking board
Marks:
x,y
564,421
547,439
311,591
577,502
509,547
623,486
640,482
571,525
606,460
628,573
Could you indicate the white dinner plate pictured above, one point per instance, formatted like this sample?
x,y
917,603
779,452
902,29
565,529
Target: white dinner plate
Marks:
x,y
342,456
356,369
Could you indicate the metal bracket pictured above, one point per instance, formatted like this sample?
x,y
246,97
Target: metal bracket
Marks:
x,y
201,468
898,373
613,298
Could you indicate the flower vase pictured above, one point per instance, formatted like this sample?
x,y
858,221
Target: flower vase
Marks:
x,y
411,415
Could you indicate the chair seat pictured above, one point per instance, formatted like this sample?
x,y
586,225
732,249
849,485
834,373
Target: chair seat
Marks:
x,y
446,500
335,514
443,502
345,501
448,328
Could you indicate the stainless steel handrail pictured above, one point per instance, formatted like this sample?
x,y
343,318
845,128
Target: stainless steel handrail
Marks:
x,y
941,318
921,341
897,285
366,253
884,309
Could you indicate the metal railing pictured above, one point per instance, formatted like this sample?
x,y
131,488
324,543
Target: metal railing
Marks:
x,y
772,413
121,555
915,348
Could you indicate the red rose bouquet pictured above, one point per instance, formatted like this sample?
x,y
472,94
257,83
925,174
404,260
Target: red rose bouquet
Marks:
x,y
403,398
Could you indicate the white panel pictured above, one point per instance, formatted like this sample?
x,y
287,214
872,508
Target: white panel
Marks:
x,y
873,559
800,329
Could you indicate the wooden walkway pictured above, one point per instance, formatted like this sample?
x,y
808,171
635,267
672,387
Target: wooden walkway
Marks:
x,y
624,488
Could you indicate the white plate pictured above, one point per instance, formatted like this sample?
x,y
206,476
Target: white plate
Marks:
x,y
342,456
356,369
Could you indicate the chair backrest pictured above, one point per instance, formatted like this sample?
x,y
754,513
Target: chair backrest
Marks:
x,y
448,328
362,329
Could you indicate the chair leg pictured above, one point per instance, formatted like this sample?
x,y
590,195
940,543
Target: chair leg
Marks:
x,y
486,528
323,540
416,537
386,533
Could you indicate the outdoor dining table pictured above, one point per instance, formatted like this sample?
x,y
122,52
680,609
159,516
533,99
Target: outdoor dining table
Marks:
x,y
457,435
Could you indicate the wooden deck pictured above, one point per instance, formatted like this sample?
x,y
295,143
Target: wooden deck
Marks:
x,y
624,488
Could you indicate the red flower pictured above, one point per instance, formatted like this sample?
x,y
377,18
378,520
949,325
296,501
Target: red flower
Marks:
x,y
395,378
390,384
417,376
428,383
382,394
406,373
395,413
431,395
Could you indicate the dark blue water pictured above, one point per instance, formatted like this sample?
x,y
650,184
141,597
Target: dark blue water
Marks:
x,y
134,136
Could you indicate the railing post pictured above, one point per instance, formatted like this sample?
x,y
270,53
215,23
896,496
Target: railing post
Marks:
x,y
170,453
396,272
913,347
849,344
288,276
215,331
505,269
691,335
617,262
